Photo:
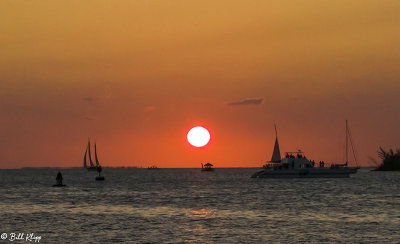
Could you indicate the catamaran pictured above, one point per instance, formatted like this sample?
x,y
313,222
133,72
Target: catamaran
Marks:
x,y
296,165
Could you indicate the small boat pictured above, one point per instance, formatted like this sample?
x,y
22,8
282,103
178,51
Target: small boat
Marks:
x,y
296,165
92,166
59,185
100,177
59,180
207,167
152,167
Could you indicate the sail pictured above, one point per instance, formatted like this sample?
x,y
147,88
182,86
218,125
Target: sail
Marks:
x,y
276,156
84,159
90,156
95,155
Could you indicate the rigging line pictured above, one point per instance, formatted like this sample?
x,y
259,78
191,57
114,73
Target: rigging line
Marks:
x,y
352,146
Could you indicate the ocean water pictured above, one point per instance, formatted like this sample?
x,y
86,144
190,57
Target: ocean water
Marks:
x,y
187,205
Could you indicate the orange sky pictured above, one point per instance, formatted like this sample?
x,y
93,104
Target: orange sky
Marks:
x,y
136,75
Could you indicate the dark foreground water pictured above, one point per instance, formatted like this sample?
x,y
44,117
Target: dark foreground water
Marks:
x,y
187,205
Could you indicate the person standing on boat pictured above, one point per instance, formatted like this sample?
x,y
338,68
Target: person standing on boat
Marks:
x,y
59,178
99,169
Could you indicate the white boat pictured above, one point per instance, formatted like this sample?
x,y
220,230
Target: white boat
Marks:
x,y
296,165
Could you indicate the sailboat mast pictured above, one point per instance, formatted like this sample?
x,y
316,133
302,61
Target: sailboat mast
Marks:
x,y
347,143
352,146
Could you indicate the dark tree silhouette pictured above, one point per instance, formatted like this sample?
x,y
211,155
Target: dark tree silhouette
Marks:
x,y
390,159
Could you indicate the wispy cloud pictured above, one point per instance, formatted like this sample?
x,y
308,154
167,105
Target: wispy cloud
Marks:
x,y
247,101
148,109
88,99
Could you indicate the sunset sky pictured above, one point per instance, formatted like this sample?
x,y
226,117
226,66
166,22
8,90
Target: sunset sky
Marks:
x,y
136,75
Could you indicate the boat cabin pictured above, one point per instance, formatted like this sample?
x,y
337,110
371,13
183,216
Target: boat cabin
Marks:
x,y
296,160
207,167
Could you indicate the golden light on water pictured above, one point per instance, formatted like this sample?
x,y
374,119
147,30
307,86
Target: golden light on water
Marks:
x,y
202,213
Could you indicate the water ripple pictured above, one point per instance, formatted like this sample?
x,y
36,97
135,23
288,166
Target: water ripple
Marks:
x,y
187,205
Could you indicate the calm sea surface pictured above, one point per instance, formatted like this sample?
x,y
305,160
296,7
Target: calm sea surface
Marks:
x,y
187,205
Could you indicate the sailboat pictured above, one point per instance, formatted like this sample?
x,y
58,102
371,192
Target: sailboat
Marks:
x,y
276,155
353,170
91,166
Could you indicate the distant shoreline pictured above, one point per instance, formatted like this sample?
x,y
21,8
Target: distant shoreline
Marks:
x,y
135,167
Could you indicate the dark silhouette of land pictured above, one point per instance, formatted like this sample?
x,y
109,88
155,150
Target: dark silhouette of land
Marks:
x,y
390,160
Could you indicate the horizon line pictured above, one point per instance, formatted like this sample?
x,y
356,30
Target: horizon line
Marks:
x,y
135,167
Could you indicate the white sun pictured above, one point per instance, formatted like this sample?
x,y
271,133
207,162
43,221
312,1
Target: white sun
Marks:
x,y
198,136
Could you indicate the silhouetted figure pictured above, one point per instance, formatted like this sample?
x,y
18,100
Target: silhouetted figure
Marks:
x,y
59,178
99,171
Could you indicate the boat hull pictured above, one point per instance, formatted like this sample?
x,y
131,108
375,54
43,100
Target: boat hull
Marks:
x,y
304,173
91,168
353,170
59,185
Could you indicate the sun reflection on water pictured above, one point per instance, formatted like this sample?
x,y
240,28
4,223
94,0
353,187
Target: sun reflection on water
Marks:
x,y
202,213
